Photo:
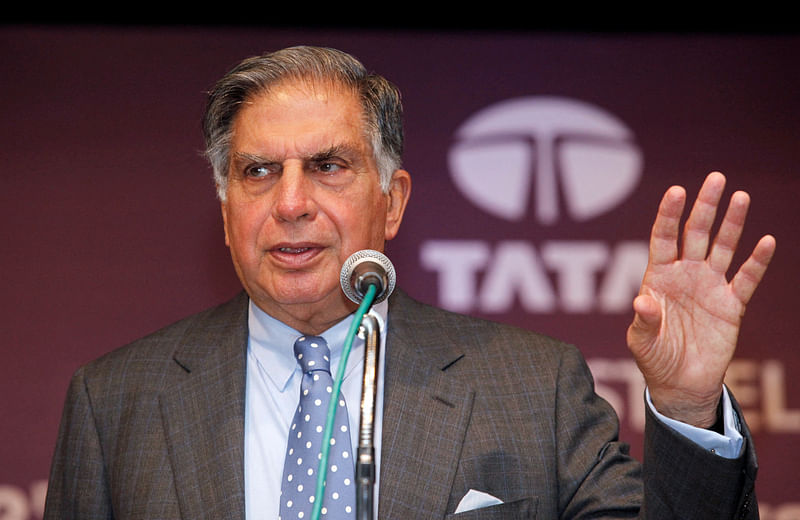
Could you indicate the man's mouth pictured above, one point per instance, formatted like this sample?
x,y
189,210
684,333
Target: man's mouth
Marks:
x,y
295,255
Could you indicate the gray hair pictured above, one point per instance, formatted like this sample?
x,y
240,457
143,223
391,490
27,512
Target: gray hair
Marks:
x,y
379,98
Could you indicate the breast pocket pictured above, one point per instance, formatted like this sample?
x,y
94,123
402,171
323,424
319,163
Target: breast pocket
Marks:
x,y
517,510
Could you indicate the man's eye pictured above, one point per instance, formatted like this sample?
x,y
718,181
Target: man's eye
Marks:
x,y
257,171
329,167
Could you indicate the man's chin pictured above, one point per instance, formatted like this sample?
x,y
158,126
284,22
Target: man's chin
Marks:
x,y
302,301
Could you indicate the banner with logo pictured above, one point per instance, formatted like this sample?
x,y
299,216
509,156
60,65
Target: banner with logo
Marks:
x,y
537,159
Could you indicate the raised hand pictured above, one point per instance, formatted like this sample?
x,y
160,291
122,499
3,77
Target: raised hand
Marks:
x,y
687,314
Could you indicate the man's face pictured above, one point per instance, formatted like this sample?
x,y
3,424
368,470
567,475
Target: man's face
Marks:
x,y
303,195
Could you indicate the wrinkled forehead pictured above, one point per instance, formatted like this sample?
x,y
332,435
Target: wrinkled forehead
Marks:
x,y
302,120
318,89
315,89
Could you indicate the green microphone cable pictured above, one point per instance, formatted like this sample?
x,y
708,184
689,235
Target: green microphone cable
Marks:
x,y
322,473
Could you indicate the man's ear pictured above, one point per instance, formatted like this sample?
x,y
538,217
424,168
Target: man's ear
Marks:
x,y
397,199
224,209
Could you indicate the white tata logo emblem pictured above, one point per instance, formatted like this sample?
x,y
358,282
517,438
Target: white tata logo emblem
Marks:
x,y
545,145
551,159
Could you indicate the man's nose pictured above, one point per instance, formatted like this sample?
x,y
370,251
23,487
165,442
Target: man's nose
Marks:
x,y
293,198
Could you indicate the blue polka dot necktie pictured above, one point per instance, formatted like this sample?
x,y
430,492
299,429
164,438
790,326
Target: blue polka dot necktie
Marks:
x,y
305,442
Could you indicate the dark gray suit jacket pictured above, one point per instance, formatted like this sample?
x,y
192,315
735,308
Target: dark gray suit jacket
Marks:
x,y
155,430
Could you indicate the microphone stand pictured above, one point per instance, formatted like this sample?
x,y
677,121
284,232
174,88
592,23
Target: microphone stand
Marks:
x,y
365,462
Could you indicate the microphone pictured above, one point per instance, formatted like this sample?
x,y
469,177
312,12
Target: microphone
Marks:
x,y
364,268
360,271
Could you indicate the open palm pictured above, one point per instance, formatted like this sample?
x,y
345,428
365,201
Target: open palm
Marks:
x,y
687,314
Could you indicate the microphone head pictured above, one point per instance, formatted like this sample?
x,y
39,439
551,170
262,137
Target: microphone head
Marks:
x,y
364,268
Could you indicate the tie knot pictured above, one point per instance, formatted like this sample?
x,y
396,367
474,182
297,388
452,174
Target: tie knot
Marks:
x,y
312,353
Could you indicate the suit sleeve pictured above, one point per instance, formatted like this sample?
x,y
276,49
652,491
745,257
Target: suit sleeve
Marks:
x,y
597,476
684,480
677,480
78,486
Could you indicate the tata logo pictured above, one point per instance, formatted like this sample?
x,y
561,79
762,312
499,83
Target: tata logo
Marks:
x,y
551,159
519,154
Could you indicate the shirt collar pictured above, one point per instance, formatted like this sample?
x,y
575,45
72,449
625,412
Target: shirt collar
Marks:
x,y
271,342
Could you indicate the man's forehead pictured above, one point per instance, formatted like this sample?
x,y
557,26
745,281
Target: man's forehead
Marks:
x,y
315,90
292,119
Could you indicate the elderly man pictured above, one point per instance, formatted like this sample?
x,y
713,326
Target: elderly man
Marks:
x,y
476,419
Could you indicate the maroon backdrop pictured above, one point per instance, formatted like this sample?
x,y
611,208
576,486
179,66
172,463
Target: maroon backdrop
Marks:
x,y
111,228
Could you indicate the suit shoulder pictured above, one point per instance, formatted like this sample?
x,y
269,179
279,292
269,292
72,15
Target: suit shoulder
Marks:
x,y
474,333
159,346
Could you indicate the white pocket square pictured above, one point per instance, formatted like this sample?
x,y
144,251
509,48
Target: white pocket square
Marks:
x,y
475,499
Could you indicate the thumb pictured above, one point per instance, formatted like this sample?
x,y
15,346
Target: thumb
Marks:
x,y
646,323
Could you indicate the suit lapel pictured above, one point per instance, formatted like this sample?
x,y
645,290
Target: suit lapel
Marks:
x,y
425,415
203,415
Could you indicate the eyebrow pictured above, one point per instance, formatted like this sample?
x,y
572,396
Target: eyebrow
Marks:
x,y
343,151
249,157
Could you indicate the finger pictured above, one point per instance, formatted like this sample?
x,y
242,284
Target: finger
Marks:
x,y
701,218
748,277
730,231
666,228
